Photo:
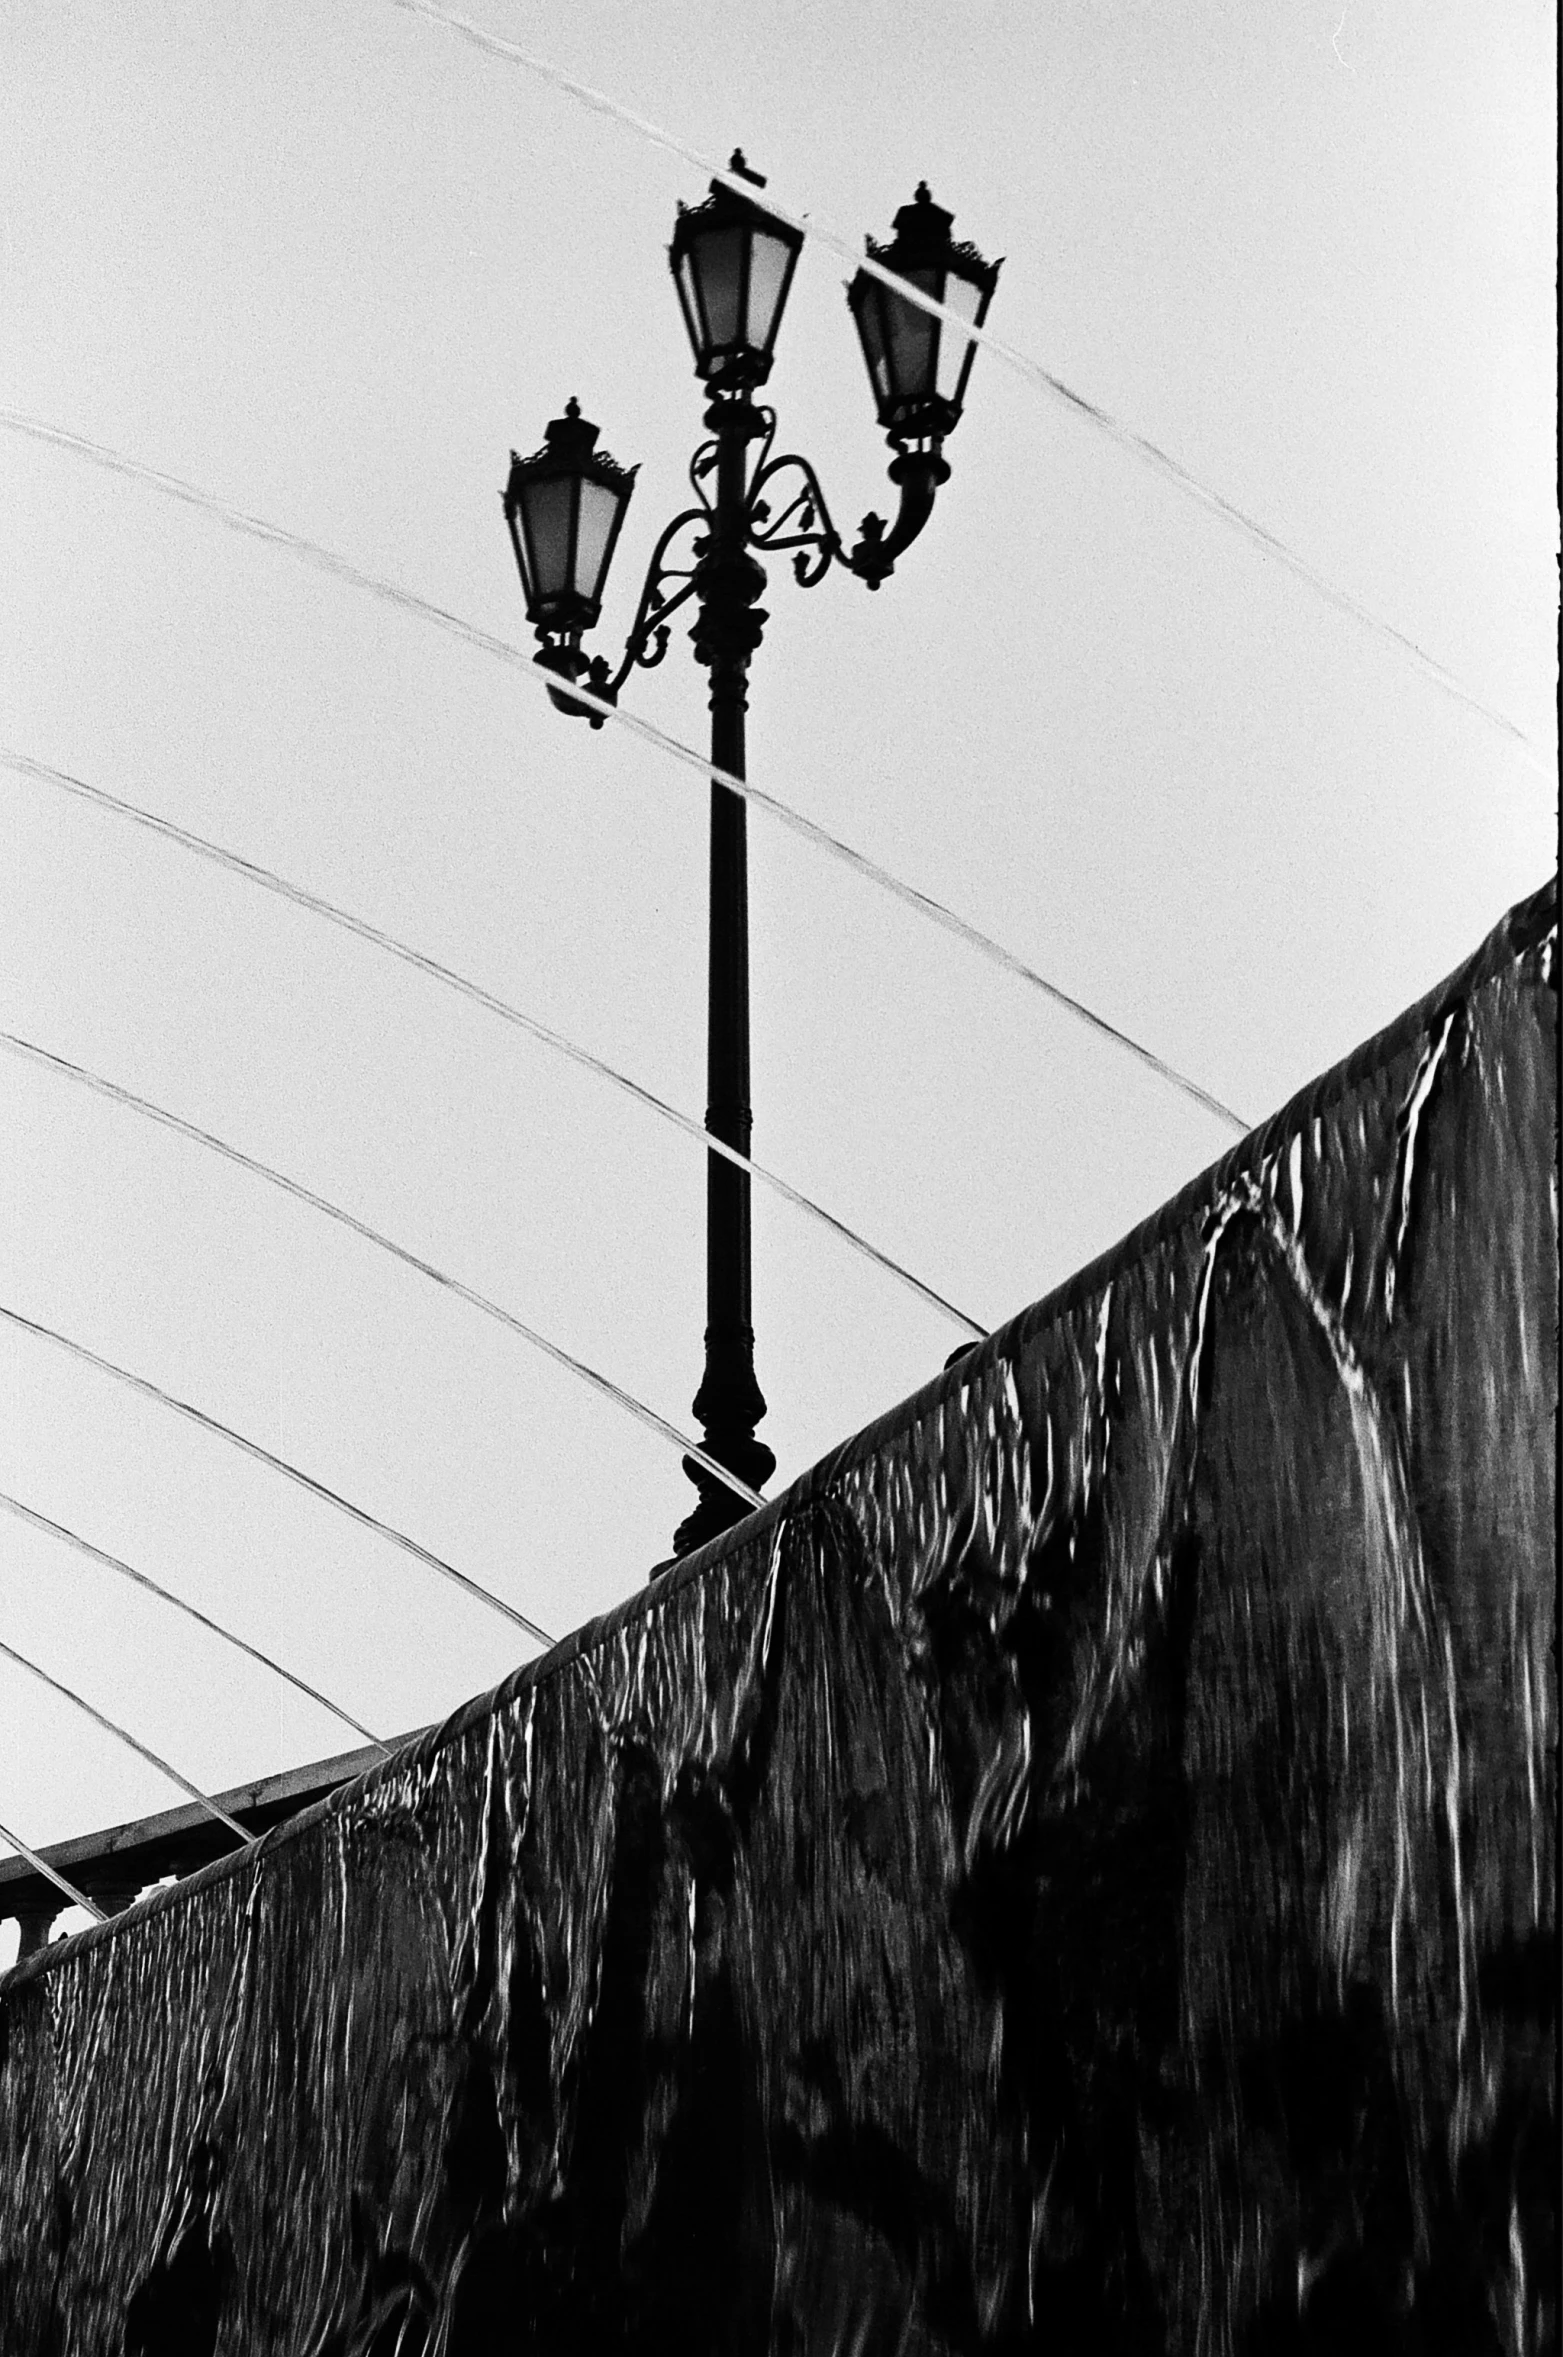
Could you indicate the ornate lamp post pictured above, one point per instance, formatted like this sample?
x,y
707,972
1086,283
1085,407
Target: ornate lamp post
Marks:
x,y
733,264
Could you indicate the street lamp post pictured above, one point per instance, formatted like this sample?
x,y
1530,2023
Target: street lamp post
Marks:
x,y
733,264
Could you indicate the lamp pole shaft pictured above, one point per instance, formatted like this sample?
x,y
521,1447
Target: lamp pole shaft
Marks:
x,y
729,1402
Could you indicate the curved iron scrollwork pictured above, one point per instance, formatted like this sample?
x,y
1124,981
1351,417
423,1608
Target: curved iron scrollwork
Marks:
x,y
818,545
813,536
784,509
648,639
700,466
649,633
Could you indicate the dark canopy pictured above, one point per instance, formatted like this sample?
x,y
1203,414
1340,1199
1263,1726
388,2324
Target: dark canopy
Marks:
x,y
1078,1873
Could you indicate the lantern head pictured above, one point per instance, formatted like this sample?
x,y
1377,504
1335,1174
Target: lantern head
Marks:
x,y
733,264
564,506
918,365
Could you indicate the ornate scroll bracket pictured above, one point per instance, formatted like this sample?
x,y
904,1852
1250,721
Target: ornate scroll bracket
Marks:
x,y
918,475
783,508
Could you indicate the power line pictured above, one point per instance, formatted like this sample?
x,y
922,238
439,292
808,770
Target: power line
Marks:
x,y
112,1727
1150,453
925,904
51,1874
811,831
347,1219
142,1579
543,1033
305,1481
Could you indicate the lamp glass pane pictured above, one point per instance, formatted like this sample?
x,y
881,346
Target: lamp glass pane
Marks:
x,y
867,296
599,506
913,338
719,261
964,296
545,522
684,279
768,259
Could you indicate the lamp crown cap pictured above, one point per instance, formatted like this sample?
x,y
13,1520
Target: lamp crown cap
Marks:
x,y
571,435
736,163
922,222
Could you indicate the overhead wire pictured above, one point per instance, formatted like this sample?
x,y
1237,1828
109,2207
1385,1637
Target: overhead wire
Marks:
x,y
141,1579
545,1034
50,1874
1033,371
539,1341
1030,369
294,1473
408,601
123,1734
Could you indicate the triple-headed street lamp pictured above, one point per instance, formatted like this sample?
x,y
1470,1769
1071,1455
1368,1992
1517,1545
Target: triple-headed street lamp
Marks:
x,y
733,263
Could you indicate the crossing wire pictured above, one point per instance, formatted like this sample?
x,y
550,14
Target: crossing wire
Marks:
x,y
50,1874
123,1734
311,552
347,1219
305,1481
1138,445
559,1042
141,1579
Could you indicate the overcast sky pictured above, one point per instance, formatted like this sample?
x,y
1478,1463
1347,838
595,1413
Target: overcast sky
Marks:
x,y
332,263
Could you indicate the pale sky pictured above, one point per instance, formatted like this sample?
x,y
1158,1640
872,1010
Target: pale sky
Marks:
x,y
332,264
